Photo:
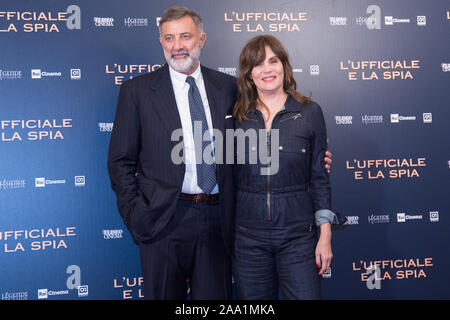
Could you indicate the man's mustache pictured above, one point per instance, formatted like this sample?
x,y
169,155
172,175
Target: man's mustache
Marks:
x,y
174,53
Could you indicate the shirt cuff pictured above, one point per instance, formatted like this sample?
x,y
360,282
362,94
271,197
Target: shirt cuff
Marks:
x,y
324,215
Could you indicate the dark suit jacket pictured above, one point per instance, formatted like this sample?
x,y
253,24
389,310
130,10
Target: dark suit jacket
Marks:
x,y
145,118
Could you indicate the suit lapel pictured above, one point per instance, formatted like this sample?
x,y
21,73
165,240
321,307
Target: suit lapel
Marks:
x,y
212,87
165,101
213,92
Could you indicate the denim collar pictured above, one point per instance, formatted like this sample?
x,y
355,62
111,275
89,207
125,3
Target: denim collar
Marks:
x,y
291,105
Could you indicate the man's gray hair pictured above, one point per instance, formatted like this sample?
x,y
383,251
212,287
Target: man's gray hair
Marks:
x,y
175,13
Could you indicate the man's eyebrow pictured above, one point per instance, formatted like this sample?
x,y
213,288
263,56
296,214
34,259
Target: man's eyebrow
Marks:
x,y
181,34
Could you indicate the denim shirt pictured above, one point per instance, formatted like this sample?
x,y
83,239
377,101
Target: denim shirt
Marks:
x,y
301,150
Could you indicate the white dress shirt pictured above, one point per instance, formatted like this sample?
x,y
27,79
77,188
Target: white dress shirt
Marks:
x,y
181,88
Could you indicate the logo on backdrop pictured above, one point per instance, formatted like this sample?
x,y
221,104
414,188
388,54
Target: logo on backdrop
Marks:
x,y
445,67
404,217
383,169
42,182
11,184
105,126
375,219
232,71
434,216
45,293
39,21
380,69
314,70
372,119
103,22
374,20
23,295
265,21
338,21
10,74
135,22
75,74
45,239
39,74
127,71
421,21
80,181
390,20
427,117
396,118
33,130
112,234
352,220
343,120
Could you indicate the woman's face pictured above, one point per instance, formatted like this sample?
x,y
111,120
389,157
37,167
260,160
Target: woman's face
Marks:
x,y
268,76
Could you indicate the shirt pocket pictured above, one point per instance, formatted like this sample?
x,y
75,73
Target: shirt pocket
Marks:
x,y
296,146
294,161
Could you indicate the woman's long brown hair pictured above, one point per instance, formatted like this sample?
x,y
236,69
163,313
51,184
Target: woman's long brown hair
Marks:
x,y
251,55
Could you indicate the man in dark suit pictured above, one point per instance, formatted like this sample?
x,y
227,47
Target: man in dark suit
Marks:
x,y
180,215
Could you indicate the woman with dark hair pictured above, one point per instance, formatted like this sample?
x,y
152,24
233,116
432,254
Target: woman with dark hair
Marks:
x,y
279,211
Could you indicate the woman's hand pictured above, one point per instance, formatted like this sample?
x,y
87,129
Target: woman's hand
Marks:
x,y
324,255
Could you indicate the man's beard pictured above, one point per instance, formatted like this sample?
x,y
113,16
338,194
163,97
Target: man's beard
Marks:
x,y
184,65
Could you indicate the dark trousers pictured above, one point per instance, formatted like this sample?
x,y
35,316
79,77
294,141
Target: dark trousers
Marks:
x,y
189,247
269,264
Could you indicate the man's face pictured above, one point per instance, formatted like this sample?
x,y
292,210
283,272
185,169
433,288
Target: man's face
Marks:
x,y
182,43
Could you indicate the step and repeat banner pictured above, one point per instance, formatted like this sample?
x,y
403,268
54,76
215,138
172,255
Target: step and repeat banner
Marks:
x,y
379,69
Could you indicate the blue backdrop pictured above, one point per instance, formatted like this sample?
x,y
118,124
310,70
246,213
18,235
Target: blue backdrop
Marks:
x,y
380,70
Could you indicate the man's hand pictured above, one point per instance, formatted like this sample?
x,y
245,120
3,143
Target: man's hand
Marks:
x,y
327,159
